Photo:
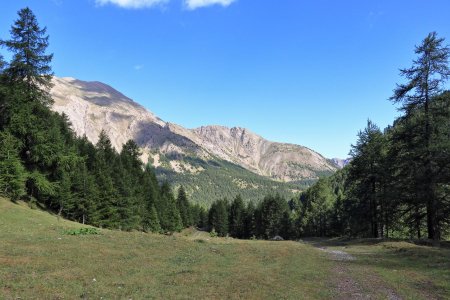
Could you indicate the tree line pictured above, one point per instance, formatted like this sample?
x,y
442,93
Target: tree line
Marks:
x,y
43,162
272,217
396,185
398,182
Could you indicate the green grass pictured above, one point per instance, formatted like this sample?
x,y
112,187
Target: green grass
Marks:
x,y
415,271
412,271
39,260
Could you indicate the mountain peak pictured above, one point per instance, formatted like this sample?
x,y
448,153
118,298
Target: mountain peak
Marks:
x,y
93,106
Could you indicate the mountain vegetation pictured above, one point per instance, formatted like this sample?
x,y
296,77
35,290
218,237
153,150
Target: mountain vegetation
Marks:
x,y
220,178
43,162
395,185
211,162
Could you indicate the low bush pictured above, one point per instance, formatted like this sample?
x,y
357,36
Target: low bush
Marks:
x,y
82,231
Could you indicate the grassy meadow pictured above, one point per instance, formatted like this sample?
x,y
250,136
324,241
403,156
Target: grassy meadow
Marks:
x,y
39,260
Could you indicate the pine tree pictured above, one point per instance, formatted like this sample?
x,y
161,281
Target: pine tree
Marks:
x,y
441,156
366,174
108,195
286,230
30,65
271,211
2,94
218,217
202,219
65,198
86,193
39,187
250,229
169,215
130,157
425,80
128,177
195,210
184,207
2,64
237,218
405,167
151,220
12,172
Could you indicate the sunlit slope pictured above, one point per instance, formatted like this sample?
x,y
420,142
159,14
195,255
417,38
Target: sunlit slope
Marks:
x,y
39,261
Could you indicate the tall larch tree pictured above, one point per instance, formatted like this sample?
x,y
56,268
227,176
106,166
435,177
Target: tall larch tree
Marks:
x,y
218,217
424,81
271,211
184,208
30,65
108,195
237,218
366,181
150,219
169,215
2,93
12,172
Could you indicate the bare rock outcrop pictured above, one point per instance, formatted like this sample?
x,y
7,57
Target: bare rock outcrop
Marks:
x,y
94,106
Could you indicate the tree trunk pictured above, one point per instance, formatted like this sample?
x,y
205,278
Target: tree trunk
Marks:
x,y
419,236
434,219
59,212
417,222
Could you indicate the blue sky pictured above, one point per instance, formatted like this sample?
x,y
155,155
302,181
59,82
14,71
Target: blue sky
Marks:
x,y
304,72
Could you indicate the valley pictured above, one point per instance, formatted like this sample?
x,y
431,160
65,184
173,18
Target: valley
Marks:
x,y
211,162
102,199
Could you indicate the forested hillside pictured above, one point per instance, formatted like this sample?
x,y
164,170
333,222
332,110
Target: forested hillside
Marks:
x,y
398,182
43,162
220,179
396,185
210,162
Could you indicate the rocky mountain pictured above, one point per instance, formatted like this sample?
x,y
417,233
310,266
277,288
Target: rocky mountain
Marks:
x,y
285,162
172,149
340,163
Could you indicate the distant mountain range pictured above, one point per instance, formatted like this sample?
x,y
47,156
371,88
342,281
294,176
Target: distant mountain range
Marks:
x,y
340,163
180,155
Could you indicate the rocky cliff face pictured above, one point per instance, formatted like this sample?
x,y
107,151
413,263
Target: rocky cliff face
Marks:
x,y
94,106
279,161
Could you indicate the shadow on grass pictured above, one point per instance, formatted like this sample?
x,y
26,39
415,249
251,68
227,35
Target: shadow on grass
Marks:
x,y
342,242
427,267
416,264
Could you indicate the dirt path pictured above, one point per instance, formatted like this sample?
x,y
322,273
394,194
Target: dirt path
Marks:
x,y
345,286
338,255
355,282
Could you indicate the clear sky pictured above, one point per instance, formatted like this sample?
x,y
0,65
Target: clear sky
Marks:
x,y
305,72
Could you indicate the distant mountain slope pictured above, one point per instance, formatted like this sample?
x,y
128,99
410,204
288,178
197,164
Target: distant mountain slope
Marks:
x,y
285,162
340,163
220,178
176,152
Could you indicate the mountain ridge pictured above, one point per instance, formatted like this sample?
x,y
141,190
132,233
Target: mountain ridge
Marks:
x,y
92,106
